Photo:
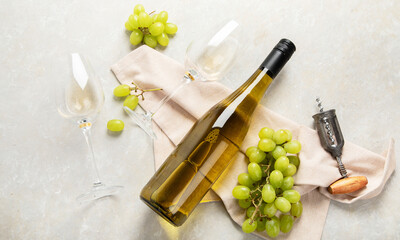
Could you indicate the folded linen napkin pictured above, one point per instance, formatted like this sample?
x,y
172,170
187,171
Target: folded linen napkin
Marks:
x,y
317,170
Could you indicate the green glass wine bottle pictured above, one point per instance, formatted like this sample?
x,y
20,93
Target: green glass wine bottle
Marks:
x,y
208,148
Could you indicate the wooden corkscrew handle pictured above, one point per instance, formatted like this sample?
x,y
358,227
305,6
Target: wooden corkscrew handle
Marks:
x,y
348,185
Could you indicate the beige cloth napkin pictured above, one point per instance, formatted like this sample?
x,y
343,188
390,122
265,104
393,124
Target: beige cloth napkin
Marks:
x,y
317,170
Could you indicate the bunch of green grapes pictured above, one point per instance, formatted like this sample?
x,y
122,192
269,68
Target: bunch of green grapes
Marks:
x,y
149,28
266,190
124,91
131,101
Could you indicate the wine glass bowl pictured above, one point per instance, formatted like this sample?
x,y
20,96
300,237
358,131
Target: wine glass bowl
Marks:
x,y
79,98
207,59
80,94
212,55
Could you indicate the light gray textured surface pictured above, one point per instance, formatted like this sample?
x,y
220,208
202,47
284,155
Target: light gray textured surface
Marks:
x,y
348,52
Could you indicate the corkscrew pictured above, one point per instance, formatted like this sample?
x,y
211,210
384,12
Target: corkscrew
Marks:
x,y
332,141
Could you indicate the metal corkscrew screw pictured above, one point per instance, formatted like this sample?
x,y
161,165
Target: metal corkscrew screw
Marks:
x,y
332,141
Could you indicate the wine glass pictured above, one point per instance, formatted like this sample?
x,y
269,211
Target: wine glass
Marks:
x,y
80,98
207,59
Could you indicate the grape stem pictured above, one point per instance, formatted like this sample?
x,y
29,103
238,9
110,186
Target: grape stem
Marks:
x,y
145,30
142,91
262,215
255,210
266,171
255,190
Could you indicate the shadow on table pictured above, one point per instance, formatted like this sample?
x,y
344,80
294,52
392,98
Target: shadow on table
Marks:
x,y
154,227
89,220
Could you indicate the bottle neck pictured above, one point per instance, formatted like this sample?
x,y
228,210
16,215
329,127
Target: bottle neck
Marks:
x,y
245,99
258,84
253,89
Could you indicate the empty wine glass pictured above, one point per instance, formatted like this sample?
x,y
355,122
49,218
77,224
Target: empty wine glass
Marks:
x,y
80,98
207,59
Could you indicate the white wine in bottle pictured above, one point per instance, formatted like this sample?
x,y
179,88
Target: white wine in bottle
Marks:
x,y
208,148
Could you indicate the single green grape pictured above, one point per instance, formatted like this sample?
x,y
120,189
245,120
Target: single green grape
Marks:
x,y
170,28
156,28
281,163
250,150
115,125
241,192
287,183
266,132
289,133
293,146
278,152
270,210
244,203
257,156
292,196
297,209
294,160
254,171
250,211
122,90
131,101
273,227
128,26
162,17
276,178
163,39
150,41
138,9
268,193
290,170
282,204
136,37
286,223
266,144
144,20
260,224
247,227
245,180
280,136
133,21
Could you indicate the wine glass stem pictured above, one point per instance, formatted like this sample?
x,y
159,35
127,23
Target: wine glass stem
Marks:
x,y
186,80
88,137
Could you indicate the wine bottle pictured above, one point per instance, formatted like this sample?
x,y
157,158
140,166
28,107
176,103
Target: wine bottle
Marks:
x,y
208,148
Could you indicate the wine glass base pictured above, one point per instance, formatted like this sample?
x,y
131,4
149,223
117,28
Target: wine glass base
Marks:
x,y
99,190
143,120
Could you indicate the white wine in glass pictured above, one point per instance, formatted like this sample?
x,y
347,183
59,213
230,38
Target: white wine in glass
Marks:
x,y
80,98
